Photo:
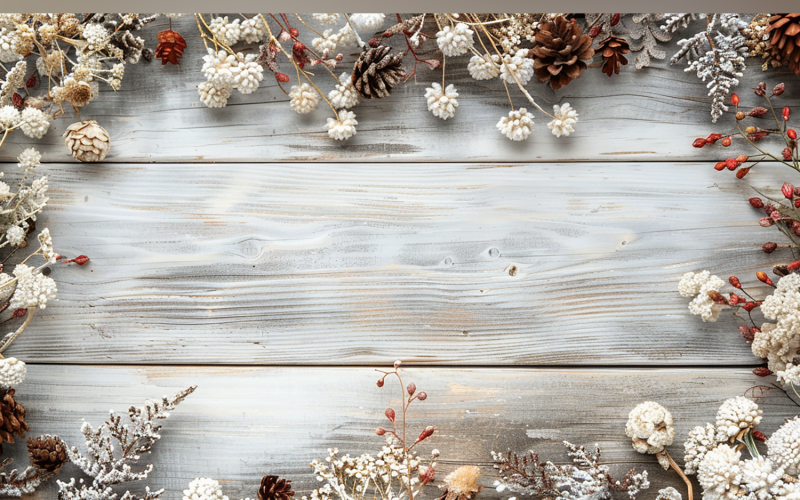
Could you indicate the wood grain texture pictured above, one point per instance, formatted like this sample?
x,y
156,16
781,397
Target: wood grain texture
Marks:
x,y
480,264
243,422
648,115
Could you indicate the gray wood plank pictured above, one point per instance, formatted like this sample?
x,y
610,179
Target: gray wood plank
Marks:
x,y
546,264
650,115
244,422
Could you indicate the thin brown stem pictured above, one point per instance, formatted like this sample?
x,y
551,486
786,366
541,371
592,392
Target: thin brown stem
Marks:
x,y
681,474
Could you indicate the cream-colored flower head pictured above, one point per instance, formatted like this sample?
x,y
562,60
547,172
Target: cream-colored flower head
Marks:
x,y
650,428
735,415
701,440
720,474
462,483
783,446
12,373
204,488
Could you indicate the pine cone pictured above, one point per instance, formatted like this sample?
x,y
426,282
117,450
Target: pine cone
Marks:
x,y
274,488
612,49
87,141
376,71
784,30
12,418
561,47
170,47
47,452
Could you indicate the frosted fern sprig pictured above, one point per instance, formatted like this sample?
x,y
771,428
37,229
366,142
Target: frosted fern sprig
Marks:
x,y
677,21
17,483
645,36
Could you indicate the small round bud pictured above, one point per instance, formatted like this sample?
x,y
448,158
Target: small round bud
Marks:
x,y
762,276
435,453
380,431
762,371
756,202
389,414
380,382
735,99
750,130
778,89
397,363
720,165
740,115
735,282
769,247
412,388
793,266
787,190
765,221
726,142
792,134
422,396
785,113
699,142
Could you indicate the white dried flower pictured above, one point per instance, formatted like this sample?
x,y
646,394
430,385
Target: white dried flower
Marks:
x,y
326,43
343,128
9,117
701,440
12,373
650,428
783,446
204,488
785,300
29,159
226,32
519,65
484,67
34,123
789,375
253,30
248,75
46,244
367,22
692,282
344,94
303,98
33,288
15,236
346,36
565,119
700,284
220,68
15,78
442,103
213,96
517,126
720,473
96,36
669,493
735,415
326,18
454,41
762,481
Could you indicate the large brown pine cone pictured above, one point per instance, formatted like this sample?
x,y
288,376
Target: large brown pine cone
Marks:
x,y
376,71
274,488
784,31
613,50
561,47
12,418
47,452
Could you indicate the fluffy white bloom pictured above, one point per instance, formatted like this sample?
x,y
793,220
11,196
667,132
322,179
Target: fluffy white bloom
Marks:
x,y
668,493
720,473
253,30
484,67
517,126
326,18
518,64
33,289
701,440
12,373
248,75
789,375
96,36
763,481
15,78
34,123
15,235
9,117
303,98
343,128
346,36
700,284
326,43
220,68
204,488
785,300
29,159
7,46
214,96
736,414
454,41
692,282
779,341
776,343
46,243
442,103
344,95
226,32
367,22
783,446
565,119
650,428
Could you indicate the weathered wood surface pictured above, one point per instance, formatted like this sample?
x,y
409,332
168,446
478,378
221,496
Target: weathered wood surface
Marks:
x,y
648,115
244,422
534,264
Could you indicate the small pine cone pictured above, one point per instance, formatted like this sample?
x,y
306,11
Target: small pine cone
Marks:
x,y
170,47
274,488
376,71
47,452
87,141
561,47
784,38
613,49
12,418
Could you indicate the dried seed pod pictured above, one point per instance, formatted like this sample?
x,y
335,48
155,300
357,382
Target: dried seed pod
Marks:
x,y
170,47
47,452
87,141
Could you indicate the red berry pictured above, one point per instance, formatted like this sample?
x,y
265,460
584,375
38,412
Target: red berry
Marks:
x,y
615,19
762,371
389,414
787,154
731,163
785,112
595,30
412,388
735,282
747,333
756,202
699,142
769,247
726,142
765,221
425,434
735,99
787,190
720,165
18,313
797,203
380,431
294,32
31,81
758,112
282,77
762,276
749,306
741,159
742,172
792,134
758,435
711,139
794,265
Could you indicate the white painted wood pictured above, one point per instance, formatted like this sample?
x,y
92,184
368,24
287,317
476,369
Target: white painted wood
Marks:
x,y
354,263
648,115
244,422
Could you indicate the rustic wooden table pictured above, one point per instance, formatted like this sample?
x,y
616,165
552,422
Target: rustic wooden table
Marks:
x,y
530,287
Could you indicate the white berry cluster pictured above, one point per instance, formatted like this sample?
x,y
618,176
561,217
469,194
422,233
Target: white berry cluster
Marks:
x,y
33,122
225,72
204,488
12,373
454,40
34,289
442,102
779,341
735,415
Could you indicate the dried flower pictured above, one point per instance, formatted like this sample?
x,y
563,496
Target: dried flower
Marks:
x,y
87,141
517,126
720,473
735,415
204,488
462,483
565,119
367,22
485,67
650,427
344,95
455,40
782,446
343,128
442,103
303,98
701,440
12,373
517,67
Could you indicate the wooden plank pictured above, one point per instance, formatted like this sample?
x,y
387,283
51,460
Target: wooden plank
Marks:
x,y
532,264
243,422
649,115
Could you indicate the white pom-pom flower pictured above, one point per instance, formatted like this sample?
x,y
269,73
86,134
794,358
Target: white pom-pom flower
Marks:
x,y
253,30
15,235
650,428
326,43
519,65
484,67
344,94
701,440
565,120
248,75
220,68
454,41
204,488
214,96
34,123
783,446
343,128
442,102
303,98
720,474
367,22
735,415
226,32
517,126
12,373
9,117
33,289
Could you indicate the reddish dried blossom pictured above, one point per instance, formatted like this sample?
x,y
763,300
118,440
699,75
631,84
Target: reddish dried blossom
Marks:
x,y
425,434
80,260
18,313
758,112
735,99
756,202
734,281
769,247
747,333
762,371
758,435
699,142
787,154
170,47
787,190
762,276
31,81
778,89
785,113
